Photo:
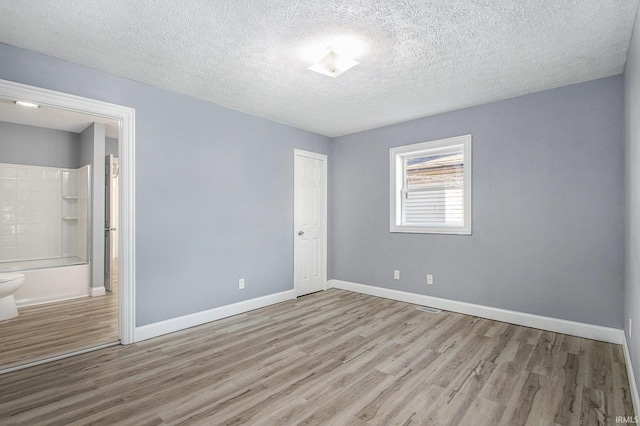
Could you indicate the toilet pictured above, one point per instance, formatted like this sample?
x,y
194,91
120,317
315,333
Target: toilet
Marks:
x,y
9,284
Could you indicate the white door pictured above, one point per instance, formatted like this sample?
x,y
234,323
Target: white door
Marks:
x,y
310,222
109,228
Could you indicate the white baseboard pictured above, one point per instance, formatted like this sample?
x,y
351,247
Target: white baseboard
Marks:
x,y
187,321
589,331
632,378
97,291
29,303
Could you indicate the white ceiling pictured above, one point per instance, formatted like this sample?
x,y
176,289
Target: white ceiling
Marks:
x,y
54,118
417,58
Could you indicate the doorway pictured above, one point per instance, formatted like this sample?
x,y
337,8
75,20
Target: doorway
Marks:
x,y
310,222
125,232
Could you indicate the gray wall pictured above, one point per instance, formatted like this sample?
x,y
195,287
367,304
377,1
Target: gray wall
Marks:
x,y
214,189
547,207
214,198
36,146
92,142
111,147
86,146
632,186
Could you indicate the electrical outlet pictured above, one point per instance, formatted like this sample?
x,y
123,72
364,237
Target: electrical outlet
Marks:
x,y
396,275
429,279
241,283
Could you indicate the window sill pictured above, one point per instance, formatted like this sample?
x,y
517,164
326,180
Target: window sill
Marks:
x,y
430,230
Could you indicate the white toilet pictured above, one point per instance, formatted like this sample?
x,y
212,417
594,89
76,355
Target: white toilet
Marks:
x,y
9,284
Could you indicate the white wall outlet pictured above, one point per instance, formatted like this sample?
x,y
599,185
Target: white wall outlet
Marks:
x,y
396,275
429,279
241,283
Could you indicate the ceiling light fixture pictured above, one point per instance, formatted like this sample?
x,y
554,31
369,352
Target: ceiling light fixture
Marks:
x,y
27,104
333,64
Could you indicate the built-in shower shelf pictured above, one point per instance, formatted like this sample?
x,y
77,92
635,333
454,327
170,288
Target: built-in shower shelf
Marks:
x,y
70,197
69,218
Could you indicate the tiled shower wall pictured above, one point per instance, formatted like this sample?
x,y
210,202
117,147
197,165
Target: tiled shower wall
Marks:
x,y
39,212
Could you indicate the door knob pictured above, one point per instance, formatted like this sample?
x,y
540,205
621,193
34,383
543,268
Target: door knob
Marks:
x,y
301,233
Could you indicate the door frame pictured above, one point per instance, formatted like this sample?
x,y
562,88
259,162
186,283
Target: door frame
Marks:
x,y
325,159
126,236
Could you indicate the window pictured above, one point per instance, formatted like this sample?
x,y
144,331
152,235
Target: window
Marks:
x,y
431,187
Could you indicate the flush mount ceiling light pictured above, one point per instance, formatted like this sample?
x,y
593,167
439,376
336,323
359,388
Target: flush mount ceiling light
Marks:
x,y
333,65
26,104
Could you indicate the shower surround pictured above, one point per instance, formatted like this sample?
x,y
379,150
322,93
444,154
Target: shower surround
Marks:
x,y
44,230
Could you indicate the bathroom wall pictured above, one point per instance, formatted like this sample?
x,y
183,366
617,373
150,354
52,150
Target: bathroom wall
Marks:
x,y
39,212
35,226
20,144
92,152
214,189
111,147
30,206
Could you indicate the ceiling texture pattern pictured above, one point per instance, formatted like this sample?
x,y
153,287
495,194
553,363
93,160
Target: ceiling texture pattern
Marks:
x,y
417,58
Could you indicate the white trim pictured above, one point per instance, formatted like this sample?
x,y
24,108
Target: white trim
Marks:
x,y
635,398
325,161
98,291
29,303
187,321
310,154
126,228
126,309
588,331
396,175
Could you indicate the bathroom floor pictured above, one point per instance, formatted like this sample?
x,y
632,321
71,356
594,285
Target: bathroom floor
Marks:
x,y
53,329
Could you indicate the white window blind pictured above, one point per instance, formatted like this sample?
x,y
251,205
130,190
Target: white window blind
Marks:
x,y
431,187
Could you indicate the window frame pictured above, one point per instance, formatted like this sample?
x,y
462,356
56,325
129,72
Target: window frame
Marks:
x,y
396,179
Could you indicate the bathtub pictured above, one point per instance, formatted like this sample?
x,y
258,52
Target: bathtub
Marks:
x,y
50,280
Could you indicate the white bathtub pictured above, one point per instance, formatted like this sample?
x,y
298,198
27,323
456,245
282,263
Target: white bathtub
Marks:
x,y
50,280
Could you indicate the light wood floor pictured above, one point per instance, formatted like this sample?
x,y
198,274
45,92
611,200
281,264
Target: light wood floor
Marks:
x,y
45,331
335,358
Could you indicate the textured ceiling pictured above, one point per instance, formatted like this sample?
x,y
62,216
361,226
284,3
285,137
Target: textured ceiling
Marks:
x,y
417,58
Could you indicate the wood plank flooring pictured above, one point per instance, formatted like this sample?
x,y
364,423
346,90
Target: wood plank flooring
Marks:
x,y
336,358
44,331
